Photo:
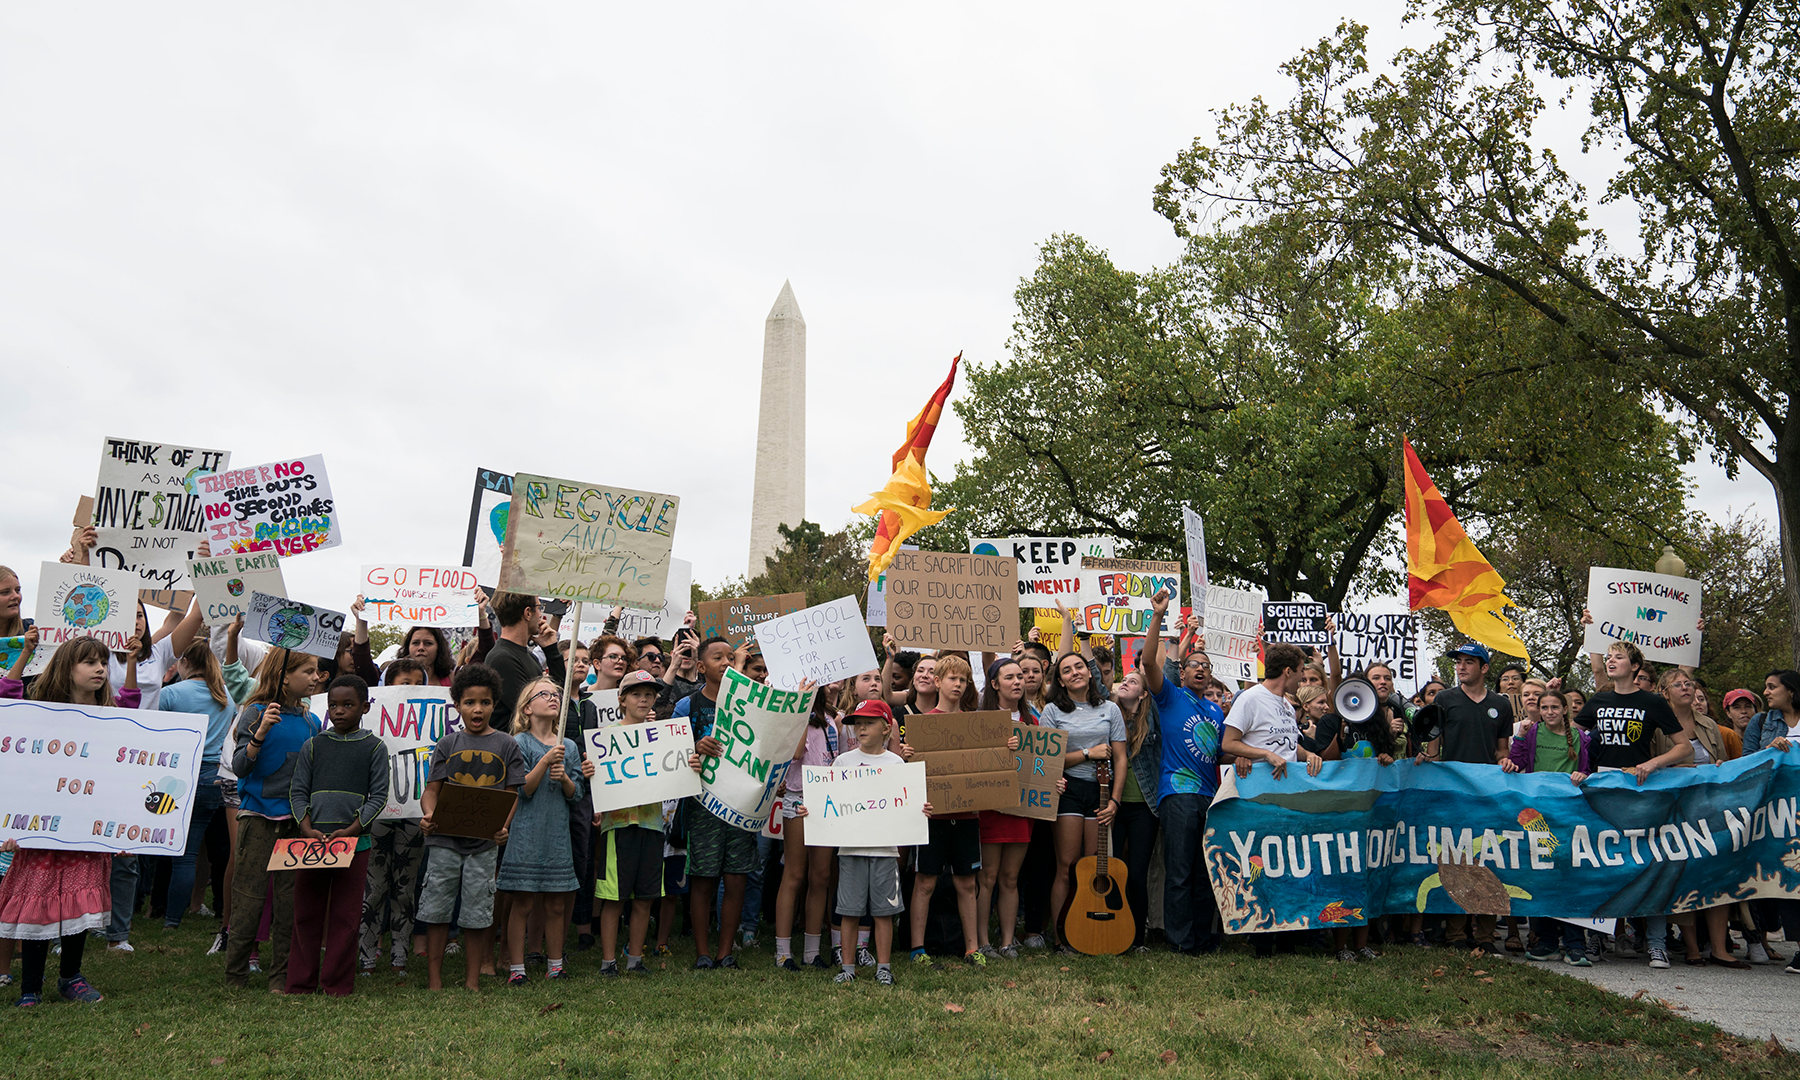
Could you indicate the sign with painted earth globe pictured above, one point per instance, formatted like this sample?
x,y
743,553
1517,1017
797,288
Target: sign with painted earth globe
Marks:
x,y
86,606
290,627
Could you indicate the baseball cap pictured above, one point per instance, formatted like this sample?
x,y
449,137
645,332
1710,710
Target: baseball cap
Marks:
x,y
1473,650
635,679
873,708
1739,695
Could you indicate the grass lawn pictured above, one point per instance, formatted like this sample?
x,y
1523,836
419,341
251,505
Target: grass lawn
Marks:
x,y
1419,1013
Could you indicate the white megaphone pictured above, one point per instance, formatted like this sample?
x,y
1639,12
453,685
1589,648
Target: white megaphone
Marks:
x,y
1355,700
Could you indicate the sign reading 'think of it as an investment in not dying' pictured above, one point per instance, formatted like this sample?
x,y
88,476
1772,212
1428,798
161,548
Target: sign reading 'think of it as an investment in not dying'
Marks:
x,y
1657,613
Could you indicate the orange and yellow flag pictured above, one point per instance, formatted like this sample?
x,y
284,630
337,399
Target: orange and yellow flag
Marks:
x,y
1444,570
905,503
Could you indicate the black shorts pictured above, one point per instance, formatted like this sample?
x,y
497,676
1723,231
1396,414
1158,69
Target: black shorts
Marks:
x,y
631,864
1080,798
955,847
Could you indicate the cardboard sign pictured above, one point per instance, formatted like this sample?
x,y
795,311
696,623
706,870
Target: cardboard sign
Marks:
x,y
85,601
1195,527
1116,594
302,854
1049,567
662,622
866,805
1295,622
147,510
85,778
1233,631
84,512
967,764
1657,613
1039,766
487,526
876,613
941,600
823,643
590,542
475,813
758,726
1364,639
409,720
735,620
176,600
225,584
284,507
289,624
635,764
409,594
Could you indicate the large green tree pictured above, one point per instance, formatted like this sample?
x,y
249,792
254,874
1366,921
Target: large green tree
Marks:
x,y
1445,158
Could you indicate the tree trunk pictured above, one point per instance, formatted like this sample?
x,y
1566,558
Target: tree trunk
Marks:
x,y
1787,503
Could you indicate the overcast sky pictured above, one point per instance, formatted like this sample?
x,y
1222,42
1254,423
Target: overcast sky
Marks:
x,y
422,238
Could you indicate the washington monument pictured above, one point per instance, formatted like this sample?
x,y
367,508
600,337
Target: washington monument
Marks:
x,y
779,497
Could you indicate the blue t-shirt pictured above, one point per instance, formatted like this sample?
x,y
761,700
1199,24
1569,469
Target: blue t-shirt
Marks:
x,y
708,709
192,696
1191,729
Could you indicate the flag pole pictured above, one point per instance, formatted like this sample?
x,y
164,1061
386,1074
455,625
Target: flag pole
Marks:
x,y
562,716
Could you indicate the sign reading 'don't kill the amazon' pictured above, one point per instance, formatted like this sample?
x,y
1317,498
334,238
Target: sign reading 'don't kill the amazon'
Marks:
x,y
943,600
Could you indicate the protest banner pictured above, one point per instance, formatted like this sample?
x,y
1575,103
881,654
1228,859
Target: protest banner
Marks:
x,y
635,764
758,726
587,542
1657,613
1361,840
1116,594
284,507
823,643
1233,624
86,778
1295,622
408,594
475,813
225,583
300,853
866,805
661,622
289,624
1363,639
941,600
735,620
147,510
1131,650
1195,528
967,764
1048,567
85,601
409,720
1049,626
487,526
1039,768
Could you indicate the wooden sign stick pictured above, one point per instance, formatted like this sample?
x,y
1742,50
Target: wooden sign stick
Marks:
x,y
562,717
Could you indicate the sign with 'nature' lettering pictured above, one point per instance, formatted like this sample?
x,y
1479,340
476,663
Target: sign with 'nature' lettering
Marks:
x,y
1657,613
588,542
940,600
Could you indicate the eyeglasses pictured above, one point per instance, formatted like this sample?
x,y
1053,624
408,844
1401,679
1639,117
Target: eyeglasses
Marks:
x,y
544,693
653,657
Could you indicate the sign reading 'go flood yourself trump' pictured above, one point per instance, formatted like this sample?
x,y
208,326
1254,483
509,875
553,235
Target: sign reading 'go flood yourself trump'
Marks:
x,y
941,600
587,542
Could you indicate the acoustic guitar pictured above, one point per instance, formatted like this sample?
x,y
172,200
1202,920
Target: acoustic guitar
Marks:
x,y
1098,920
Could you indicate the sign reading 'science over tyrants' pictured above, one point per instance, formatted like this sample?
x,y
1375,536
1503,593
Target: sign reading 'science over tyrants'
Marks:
x,y
592,542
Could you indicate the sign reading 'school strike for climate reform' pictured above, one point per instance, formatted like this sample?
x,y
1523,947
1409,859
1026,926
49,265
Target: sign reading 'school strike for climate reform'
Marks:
x,y
758,726
587,542
1657,613
85,778
284,507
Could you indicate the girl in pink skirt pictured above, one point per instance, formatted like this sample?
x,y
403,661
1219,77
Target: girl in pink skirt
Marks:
x,y
61,894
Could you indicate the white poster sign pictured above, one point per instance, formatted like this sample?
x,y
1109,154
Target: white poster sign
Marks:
x,y
1195,528
635,764
759,726
1657,613
1363,639
225,584
149,516
877,610
289,624
409,594
824,643
85,601
284,507
866,805
1233,623
409,720
1117,594
662,622
1049,566
85,778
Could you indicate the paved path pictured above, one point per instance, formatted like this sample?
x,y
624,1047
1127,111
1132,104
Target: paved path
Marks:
x,y
1755,1003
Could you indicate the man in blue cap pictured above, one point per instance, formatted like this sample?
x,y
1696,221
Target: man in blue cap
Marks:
x,y
1469,724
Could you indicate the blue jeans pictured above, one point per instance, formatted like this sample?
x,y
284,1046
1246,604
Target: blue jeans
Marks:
x,y
1188,905
208,800
124,897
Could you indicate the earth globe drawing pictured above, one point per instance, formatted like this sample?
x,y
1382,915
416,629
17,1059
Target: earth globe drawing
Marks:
x,y
85,606
290,627
235,586
984,549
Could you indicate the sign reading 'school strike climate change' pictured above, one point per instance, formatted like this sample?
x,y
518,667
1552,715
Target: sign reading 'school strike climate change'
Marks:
x,y
587,542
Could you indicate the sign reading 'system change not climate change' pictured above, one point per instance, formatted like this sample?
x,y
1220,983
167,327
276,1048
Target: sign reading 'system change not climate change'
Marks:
x,y
1657,613
589,542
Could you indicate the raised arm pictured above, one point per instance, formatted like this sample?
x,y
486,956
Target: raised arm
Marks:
x,y
1151,664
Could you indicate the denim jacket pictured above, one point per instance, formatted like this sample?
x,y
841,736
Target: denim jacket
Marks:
x,y
1762,730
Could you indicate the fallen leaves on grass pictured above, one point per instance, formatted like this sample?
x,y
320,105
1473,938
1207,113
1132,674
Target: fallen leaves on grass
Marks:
x,y
550,1008
1374,1048
1012,986
952,1007
1167,1057
1480,972
1489,979
1103,1056
218,1061
1437,973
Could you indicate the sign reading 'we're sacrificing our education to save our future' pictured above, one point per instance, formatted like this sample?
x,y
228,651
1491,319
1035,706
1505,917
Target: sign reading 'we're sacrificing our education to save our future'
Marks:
x,y
1657,613
587,542
86,778
941,600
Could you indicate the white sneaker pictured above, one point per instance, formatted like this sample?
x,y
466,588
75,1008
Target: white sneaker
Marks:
x,y
206,912
1659,958
1757,953
120,946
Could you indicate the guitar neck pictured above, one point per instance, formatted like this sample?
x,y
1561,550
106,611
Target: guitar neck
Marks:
x,y
1102,849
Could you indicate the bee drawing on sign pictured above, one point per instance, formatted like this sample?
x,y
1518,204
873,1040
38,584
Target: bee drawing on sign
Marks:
x,y
163,794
